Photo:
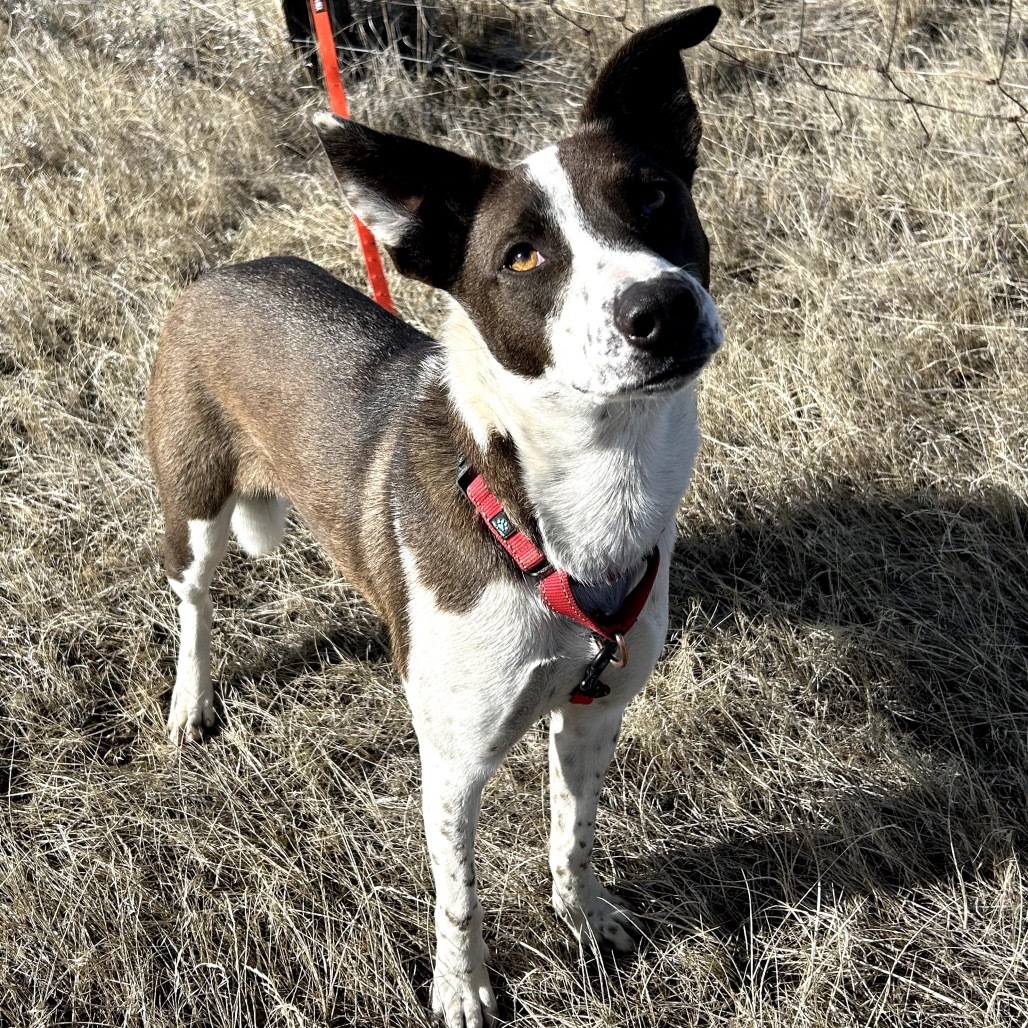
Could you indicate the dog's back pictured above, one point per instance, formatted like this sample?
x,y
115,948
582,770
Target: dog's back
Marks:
x,y
256,359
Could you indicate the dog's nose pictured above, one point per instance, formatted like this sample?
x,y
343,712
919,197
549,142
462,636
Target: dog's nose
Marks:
x,y
657,315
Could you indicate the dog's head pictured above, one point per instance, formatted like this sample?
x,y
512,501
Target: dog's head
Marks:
x,y
585,266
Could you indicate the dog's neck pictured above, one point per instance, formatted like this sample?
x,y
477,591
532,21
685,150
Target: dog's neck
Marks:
x,y
603,479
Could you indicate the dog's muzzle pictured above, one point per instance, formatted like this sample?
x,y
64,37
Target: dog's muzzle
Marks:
x,y
665,322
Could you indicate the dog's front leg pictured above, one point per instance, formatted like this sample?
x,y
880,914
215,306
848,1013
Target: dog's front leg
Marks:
x,y
451,798
582,739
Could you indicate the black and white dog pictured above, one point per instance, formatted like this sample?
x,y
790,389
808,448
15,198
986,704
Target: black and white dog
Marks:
x,y
562,396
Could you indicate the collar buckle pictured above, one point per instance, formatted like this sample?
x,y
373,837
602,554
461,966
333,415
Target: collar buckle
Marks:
x,y
541,570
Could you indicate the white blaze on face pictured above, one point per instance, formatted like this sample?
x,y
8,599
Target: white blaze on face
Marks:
x,y
589,352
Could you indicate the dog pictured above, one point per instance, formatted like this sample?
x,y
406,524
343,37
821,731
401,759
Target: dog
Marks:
x,y
504,497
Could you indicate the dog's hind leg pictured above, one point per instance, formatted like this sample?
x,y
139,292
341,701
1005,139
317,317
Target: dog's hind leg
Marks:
x,y
259,523
582,740
194,461
192,700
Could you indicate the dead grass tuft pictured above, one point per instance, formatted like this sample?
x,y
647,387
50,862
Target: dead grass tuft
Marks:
x,y
819,804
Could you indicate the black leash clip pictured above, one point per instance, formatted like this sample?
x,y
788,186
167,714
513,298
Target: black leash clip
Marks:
x,y
591,688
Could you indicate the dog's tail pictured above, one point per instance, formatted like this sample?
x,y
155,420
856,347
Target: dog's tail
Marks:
x,y
259,523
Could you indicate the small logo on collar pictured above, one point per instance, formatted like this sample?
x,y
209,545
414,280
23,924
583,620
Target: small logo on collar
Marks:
x,y
503,525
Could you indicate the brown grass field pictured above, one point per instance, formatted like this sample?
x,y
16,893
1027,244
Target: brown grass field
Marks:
x,y
820,802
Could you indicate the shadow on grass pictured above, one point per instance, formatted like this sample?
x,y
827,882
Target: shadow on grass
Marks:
x,y
926,593
286,664
925,598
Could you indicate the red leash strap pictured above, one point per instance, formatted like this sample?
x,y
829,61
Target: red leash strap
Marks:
x,y
555,586
337,101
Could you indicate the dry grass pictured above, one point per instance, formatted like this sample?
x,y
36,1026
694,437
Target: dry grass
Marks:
x,y
821,801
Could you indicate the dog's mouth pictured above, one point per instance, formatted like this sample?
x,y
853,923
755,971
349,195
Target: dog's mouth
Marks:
x,y
674,376
671,374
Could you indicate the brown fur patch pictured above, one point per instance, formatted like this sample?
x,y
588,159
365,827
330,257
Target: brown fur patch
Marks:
x,y
273,377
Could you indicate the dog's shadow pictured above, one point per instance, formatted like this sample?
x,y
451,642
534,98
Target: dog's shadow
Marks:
x,y
317,653
925,600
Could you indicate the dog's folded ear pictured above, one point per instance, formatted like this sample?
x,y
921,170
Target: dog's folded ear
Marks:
x,y
419,200
642,93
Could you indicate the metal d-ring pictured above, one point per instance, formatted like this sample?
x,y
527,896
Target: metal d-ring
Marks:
x,y
622,658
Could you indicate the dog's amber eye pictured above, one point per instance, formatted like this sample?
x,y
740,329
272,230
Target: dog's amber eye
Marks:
x,y
523,258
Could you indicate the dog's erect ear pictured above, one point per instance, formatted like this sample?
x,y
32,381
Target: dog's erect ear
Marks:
x,y
643,95
419,200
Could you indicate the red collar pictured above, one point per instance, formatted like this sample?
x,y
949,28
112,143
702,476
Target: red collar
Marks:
x,y
555,587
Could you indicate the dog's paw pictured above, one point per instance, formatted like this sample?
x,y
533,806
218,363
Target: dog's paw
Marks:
x,y
191,716
463,999
600,919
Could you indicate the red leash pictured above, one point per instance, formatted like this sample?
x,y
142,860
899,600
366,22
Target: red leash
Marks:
x,y
337,101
